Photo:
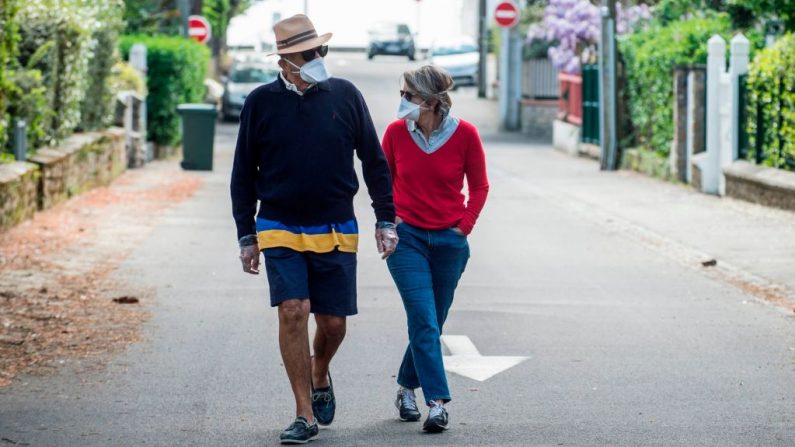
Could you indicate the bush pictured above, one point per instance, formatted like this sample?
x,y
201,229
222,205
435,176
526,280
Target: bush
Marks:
x,y
764,10
56,40
771,92
97,106
176,70
27,100
650,57
124,77
9,35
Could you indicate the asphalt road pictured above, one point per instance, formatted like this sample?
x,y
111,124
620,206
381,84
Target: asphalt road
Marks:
x,y
626,346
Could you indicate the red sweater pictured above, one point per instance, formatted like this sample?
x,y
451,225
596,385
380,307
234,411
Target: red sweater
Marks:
x,y
428,188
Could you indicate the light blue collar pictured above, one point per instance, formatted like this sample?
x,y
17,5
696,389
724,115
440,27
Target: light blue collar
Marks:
x,y
438,137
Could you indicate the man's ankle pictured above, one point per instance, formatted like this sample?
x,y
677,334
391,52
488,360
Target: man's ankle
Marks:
x,y
309,418
319,380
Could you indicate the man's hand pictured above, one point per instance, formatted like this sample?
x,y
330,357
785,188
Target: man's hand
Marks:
x,y
458,231
249,256
386,239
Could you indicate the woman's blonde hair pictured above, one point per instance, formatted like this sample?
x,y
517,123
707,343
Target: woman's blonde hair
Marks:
x,y
430,83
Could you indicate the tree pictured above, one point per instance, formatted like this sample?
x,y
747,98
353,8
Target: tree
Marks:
x,y
770,10
219,13
152,17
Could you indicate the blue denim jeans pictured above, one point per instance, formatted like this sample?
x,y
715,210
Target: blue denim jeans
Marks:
x,y
426,267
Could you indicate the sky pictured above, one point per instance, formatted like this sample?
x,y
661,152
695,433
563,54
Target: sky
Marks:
x,y
349,20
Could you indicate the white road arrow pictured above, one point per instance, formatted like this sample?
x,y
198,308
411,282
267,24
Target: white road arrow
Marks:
x,y
465,360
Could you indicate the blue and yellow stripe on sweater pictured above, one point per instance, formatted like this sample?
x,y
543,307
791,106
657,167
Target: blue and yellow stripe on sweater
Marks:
x,y
317,238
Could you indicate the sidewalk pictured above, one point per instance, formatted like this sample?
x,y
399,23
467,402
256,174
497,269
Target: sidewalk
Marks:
x,y
754,246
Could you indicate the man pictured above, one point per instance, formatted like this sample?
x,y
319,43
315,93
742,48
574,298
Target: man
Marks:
x,y
294,155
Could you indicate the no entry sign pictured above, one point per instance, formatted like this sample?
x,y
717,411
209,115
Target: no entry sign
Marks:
x,y
199,29
507,14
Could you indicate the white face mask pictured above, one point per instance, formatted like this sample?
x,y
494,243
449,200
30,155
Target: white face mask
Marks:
x,y
408,110
313,71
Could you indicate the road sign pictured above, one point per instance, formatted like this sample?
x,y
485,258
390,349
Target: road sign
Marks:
x,y
465,360
199,29
507,14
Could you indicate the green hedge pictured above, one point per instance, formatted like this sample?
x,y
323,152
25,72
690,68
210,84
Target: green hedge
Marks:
x,y
176,70
56,39
27,98
9,34
55,61
771,93
96,110
650,57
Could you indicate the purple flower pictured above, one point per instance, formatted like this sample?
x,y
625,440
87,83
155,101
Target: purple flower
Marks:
x,y
575,25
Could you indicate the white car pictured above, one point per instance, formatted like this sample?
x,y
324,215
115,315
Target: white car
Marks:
x,y
243,78
459,57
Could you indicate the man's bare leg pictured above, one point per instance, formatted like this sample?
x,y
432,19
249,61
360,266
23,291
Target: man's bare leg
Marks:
x,y
328,338
294,345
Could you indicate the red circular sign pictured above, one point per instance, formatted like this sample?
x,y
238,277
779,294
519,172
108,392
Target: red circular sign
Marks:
x,y
199,29
507,14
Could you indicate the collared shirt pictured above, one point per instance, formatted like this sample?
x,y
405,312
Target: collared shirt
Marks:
x,y
438,137
428,188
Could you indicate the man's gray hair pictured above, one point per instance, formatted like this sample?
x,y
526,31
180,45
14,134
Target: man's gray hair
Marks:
x,y
431,83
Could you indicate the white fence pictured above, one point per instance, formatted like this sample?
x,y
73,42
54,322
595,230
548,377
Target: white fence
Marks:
x,y
722,109
539,79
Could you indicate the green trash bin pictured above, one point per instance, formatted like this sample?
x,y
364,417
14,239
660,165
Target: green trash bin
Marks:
x,y
198,133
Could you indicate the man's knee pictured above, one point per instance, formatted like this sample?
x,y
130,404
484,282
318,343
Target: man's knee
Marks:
x,y
293,312
332,326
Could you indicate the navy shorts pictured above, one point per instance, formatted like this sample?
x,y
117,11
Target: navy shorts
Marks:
x,y
327,279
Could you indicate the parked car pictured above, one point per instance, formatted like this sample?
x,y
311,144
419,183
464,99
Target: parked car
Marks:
x,y
391,38
458,56
243,78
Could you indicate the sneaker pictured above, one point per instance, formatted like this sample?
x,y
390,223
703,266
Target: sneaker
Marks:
x,y
323,403
437,419
406,404
299,432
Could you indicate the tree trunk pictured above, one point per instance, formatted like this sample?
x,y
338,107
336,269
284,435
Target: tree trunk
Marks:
x,y
196,7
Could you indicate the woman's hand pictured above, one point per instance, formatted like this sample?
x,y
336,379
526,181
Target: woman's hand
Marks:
x,y
458,231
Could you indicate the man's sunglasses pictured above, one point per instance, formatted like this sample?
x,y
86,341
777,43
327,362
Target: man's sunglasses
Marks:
x,y
308,55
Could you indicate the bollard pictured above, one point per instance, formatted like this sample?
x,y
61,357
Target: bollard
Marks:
x,y
21,140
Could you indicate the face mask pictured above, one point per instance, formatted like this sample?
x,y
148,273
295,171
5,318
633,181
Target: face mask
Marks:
x,y
408,110
313,71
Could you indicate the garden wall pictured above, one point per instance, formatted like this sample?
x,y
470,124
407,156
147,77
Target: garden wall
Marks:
x,y
53,175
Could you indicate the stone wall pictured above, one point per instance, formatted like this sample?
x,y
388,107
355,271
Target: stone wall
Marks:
x,y
18,192
538,117
761,184
82,162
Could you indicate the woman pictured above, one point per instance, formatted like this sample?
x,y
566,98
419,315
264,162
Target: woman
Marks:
x,y
430,152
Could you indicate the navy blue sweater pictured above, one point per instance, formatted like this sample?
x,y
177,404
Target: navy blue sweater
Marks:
x,y
295,155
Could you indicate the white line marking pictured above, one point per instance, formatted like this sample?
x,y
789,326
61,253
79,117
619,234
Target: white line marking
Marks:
x,y
465,359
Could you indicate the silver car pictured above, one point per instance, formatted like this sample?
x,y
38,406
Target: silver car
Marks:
x,y
459,57
243,78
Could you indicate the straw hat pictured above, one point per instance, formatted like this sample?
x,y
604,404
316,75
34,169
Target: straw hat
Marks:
x,y
295,34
